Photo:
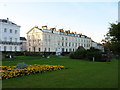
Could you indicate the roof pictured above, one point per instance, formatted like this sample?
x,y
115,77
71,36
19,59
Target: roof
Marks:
x,y
33,28
22,38
59,32
7,21
99,44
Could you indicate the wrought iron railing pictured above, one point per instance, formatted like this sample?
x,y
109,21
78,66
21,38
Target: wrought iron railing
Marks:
x,y
10,43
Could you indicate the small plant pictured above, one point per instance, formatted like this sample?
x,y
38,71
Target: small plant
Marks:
x,y
21,65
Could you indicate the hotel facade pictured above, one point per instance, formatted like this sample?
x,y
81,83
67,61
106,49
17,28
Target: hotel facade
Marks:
x,y
51,40
9,36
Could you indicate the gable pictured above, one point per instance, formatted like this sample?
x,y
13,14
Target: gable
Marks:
x,y
34,30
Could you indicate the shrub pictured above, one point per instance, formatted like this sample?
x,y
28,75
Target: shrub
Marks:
x,y
8,54
21,65
92,52
95,54
105,58
71,55
80,53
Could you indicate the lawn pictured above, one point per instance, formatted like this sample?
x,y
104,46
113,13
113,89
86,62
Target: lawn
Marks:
x,y
80,74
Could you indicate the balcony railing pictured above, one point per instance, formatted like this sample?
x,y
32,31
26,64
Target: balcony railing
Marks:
x,y
10,43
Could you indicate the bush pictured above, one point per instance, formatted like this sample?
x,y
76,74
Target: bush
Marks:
x,y
8,54
92,52
105,58
80,53
71,55
97,55
21,65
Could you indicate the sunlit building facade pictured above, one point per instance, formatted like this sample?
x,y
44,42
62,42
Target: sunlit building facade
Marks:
x,y
51,40
9,36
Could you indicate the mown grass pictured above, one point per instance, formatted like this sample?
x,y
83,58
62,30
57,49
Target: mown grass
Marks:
x,y
80,74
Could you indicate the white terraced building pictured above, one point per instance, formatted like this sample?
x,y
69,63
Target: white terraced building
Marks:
x,y
50,40
98,46
9,36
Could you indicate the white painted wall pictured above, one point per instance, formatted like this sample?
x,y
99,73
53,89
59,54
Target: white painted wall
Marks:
x,y
54,41
98,46
23,45
5,36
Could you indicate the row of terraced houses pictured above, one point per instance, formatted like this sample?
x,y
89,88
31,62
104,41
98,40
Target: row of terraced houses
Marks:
x,y
42,39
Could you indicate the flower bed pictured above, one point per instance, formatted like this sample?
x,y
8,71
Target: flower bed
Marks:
x,y
11,71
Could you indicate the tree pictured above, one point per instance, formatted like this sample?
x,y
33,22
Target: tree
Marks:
x,y
94,53
80,53
112,39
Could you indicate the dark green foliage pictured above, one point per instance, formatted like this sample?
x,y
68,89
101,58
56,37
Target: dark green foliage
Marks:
x,y
13,54
114,31
96,55
72,55
89,54
21,65
112,39
8,54
92,52
65,53
105,58
80,53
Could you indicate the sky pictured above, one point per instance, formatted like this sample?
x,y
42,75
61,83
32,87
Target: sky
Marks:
x,y
90,18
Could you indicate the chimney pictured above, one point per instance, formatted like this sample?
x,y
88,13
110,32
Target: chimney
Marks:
x,y
59,30
36,26
62,30
44,27
53,29
68,31
74,32
7,19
